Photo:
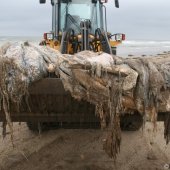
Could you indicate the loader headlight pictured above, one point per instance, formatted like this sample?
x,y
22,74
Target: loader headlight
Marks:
x,y
48,36
103,1
119,37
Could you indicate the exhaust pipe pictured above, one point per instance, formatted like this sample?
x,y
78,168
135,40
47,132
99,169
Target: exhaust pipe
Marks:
x,y
117,3
42,1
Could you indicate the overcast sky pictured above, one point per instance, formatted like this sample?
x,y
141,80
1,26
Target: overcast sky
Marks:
x,y
138,19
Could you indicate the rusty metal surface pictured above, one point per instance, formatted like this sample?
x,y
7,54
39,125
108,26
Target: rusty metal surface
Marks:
x,y
59,117
47,86
49,102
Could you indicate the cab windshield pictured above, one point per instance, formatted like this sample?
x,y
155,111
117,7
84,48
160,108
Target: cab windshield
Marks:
x,y
72,13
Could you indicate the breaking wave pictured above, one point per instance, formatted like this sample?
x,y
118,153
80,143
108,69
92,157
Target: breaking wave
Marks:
x,y
147,43
139,48
4,39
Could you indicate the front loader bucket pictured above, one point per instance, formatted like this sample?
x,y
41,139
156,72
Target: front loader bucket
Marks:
x,y
49,102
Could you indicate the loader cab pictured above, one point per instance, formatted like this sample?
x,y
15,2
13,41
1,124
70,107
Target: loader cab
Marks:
x,y
79,25
76,12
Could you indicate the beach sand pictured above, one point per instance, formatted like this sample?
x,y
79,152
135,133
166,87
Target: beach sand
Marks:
x,y
82,150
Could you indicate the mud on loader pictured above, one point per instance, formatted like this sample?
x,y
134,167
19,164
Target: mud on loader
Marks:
x,y
77,25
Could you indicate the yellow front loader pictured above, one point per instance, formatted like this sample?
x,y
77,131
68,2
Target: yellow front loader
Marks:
x,y
77,25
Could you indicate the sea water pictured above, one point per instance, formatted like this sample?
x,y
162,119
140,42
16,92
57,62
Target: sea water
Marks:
x,y
5,39
127,48
140,48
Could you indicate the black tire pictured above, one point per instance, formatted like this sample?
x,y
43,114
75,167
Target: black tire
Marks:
x,y
37,126
114,51
103,40
130,122
45,126
42,1
65,40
